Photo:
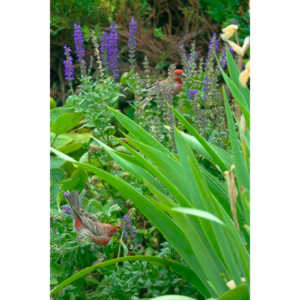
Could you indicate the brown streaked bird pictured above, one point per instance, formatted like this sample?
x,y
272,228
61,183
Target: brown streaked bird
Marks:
x,y
172,84
87,225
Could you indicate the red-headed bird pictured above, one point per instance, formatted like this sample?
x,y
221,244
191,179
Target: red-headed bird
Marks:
x,y
87,225
172,84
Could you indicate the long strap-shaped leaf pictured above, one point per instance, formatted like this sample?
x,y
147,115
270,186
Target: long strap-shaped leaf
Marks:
x,y
175,266
242,173
217,159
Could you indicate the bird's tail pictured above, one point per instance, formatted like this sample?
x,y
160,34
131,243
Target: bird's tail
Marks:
x,y
74,202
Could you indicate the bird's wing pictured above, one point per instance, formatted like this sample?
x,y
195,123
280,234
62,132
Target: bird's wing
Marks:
x,y
91,223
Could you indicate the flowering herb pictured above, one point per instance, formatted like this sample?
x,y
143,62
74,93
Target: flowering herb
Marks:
x,y
103,49
211,48
132,41
128,229
109,50
67,210
78,41
112,50
68,65
224,59
205,87
192,93
67,194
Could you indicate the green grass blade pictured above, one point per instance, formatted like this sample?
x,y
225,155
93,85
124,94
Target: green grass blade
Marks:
x,y
137,131
198,213
180,269
217,159
242,173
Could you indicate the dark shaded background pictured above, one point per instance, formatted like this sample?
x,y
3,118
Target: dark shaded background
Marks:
x,y
162,26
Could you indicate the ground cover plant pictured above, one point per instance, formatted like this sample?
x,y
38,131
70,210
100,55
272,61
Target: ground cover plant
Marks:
x,y
166,161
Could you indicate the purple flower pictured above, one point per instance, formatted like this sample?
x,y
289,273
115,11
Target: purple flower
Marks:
x,y
132,40
128,227
195,58
224,58
67,210
112,50
211,47
109,50
67,194
103,49
216,46
68,65
78,41
192,93
205,87
132,32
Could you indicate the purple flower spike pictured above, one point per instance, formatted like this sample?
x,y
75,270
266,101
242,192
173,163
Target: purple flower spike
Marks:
x,y
224,58
211,47
192,93
132,40
128,227
68,65
216,45
132,32
67,194
78,41
67,209
112,50
230,50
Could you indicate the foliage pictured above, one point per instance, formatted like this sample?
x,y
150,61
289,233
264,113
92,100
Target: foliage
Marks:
x,y
208,238
182,161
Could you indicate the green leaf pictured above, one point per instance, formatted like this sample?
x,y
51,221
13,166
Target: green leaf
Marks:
x,y
242,173
77,181
235,73
52,103
56,112
137,131
198,213
70,142
217,159
66,122
56,162
172,297
241,292
175,266
56,175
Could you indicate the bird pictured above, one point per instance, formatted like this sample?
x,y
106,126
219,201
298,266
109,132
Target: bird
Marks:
x,y
169,86
87,225
172,84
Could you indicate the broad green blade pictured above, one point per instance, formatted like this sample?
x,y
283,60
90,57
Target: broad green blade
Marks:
x,y
241,292
235,73
242,174
137,131
197,146
180,269
198,213
217,159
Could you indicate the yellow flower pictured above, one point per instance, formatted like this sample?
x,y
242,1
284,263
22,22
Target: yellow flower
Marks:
x,y
229,31
246,45
236,48
244,76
